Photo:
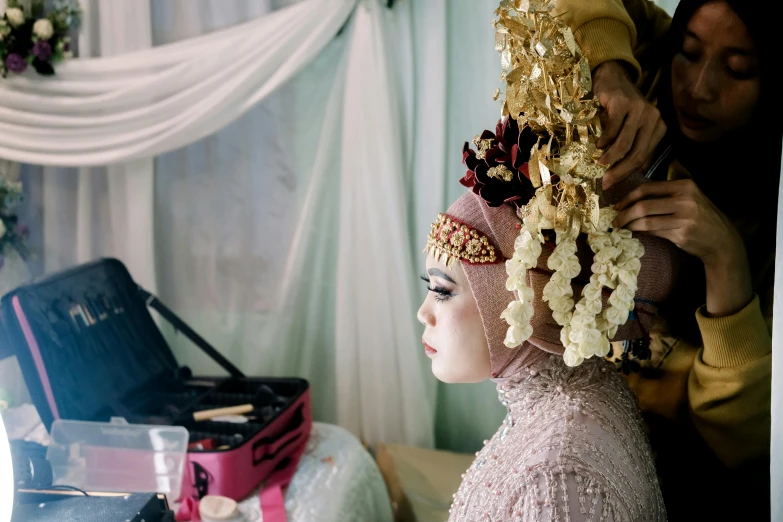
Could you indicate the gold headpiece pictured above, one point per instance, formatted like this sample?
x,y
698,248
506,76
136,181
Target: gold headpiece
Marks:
x,y
548,88
450,240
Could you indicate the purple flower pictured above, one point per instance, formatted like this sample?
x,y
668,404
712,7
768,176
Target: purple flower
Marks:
x,y
42,50
15,63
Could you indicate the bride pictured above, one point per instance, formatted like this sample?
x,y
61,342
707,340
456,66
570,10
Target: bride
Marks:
x,y
573,446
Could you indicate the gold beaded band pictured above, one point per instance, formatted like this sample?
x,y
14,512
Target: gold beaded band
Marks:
x,y
450,240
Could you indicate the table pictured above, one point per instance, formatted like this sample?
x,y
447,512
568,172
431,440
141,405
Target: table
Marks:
x,y
337,479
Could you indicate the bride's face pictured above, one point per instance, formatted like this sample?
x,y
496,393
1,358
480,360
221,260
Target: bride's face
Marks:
x,y
453,334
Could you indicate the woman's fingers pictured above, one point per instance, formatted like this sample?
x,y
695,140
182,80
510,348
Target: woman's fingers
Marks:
x,y
644,210
650,132
656,224
624,141
653,189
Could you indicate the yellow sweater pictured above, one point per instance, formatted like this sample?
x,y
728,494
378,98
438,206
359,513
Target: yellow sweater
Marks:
x,y
725,385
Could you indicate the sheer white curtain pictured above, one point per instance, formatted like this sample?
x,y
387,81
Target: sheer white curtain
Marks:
x,y
253,224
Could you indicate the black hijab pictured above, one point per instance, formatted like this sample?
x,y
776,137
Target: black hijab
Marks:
x,y
739,173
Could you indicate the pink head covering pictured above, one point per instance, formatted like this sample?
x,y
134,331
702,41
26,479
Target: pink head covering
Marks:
x,y
488,284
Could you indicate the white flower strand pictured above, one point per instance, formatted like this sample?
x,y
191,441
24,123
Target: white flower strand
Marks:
x,y
586,327
520,311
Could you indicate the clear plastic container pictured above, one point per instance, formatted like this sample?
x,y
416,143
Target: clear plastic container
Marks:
x,y
118,457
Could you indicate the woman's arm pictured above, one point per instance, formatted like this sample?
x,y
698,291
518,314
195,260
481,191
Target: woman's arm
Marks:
x,y
609,30
619,40
730,385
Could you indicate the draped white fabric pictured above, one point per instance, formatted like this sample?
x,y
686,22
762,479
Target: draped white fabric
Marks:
x,y
252,241
102,111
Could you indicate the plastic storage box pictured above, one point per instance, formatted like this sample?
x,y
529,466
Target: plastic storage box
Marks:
x,y
118,457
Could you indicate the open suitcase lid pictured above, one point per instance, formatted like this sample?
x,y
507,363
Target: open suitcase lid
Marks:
x,y
91,324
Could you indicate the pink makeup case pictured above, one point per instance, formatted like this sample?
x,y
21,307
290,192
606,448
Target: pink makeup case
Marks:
x,y
90,350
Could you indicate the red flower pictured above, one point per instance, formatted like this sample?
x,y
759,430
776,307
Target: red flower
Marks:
x,y
498,171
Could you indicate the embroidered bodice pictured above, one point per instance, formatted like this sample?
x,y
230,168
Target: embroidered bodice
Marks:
x,y
572,448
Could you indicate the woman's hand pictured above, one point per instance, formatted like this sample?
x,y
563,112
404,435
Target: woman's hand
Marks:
x,y
632,127
680,212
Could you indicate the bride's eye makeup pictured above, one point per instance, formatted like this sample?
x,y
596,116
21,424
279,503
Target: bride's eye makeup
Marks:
x,y
441,293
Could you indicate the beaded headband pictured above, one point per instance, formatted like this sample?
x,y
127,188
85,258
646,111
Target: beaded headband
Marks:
x,y
450,240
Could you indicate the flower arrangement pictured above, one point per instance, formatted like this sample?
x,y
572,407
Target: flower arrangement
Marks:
x,y
29,37
12,233
543,159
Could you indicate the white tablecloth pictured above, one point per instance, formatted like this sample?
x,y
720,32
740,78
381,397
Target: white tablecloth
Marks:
x,y
336,481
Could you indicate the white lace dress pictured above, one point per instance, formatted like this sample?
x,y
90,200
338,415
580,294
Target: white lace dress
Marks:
x,y
572,448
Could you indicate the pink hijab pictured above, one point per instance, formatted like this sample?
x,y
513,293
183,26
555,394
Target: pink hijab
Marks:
x,y
488,285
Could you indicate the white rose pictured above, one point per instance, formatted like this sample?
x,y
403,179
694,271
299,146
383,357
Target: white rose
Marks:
x,y
603,347
562,318
514,267
632,265
43,29
2,228
601,323
598,241
516,335
606,254
526,294
561,304
629,245
572,358
639,249
514,283
628,277
564,333
528,258
594,306
587,349
605,217
616,316
15,16
599,268
565,243
592,291
620,234
570,269
581,321
553,289
517,314
556,260
624,293
606,281
617,300
523,240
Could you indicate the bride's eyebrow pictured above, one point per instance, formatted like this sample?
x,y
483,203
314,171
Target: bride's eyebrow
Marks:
x,y
436,272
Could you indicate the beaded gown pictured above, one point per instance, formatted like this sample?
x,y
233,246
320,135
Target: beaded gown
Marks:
x,y
572,448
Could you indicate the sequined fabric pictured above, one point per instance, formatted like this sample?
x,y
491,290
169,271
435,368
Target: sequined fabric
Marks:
x,y
572,448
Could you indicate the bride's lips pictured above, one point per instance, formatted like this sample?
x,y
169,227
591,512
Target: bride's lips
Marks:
x,y
429,350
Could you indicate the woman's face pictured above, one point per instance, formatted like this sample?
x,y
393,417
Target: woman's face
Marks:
x,y
715,76
453,334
